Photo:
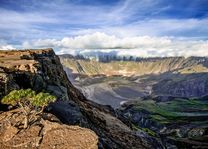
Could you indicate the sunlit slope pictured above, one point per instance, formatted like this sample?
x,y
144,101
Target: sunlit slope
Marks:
x,y
143,67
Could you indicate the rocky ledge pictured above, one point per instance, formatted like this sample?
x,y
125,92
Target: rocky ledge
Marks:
x,y
45,133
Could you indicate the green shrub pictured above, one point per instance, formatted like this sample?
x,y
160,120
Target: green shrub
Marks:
x,y
29,102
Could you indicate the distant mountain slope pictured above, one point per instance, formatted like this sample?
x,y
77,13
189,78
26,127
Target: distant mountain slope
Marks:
x,y
114,80
141,67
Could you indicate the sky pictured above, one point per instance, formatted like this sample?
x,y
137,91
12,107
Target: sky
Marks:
x,y
129,27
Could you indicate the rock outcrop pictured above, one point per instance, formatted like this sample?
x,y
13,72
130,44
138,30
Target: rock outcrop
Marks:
x,y
41,70
46,133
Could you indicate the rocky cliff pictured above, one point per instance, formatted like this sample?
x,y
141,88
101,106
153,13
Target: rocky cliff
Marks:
x,y
41,70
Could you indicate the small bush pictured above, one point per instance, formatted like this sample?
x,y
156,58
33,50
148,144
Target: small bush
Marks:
x,y
29,102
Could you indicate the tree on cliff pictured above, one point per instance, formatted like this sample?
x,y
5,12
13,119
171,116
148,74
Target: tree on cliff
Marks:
x,y
29,102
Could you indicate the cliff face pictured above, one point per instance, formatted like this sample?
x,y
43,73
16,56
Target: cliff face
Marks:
x,y
41,70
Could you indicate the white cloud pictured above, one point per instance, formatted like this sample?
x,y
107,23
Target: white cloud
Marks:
x,y
137,45
99,41
6,47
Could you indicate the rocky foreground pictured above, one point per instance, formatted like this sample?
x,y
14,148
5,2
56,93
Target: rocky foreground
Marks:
x,y
44,134
41,70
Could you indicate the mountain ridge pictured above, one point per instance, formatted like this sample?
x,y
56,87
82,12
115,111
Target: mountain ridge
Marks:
x,y
133,67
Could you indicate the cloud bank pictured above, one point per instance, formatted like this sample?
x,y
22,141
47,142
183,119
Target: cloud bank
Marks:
x,y
144,46
6,47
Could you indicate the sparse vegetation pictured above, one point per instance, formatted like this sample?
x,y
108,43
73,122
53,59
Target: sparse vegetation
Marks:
x,y
29,102
177,110
148,131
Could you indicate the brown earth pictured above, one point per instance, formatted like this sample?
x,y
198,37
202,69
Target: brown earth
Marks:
x,y
48,133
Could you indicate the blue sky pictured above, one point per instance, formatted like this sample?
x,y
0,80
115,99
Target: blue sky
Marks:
x,y
170,27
